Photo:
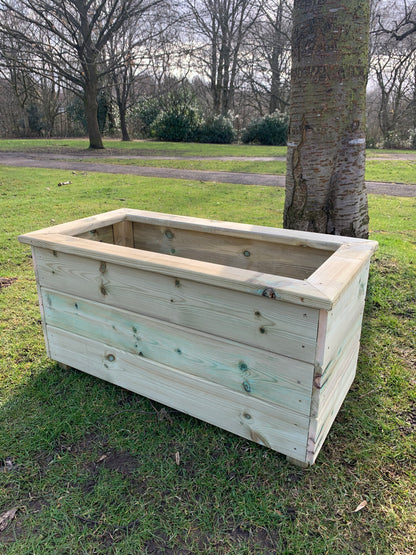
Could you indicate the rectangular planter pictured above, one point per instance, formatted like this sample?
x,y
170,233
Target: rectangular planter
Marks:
x,y
253,329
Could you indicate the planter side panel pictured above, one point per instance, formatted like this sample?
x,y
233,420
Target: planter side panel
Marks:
x,y
260,374
294,261
277,428
276,326
337,355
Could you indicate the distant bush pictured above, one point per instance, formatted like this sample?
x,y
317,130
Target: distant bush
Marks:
x,y
217,129
176,117
268,130
35,119
179,120
144,114
176,125
77,118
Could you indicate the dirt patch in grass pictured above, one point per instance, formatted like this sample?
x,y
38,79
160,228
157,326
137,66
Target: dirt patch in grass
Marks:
x,y
256,539
6,281
111,459
120,461
410,419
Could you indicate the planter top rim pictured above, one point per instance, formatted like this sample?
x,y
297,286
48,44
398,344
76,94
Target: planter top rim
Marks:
x,y
320,290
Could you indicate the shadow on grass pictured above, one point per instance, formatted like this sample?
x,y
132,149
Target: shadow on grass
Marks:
x,y
91,466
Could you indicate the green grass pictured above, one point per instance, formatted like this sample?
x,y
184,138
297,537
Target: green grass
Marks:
x,y
255,166
394,171
146,147
91,467
385,152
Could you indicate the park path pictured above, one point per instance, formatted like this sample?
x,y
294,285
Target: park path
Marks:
x,y
73,163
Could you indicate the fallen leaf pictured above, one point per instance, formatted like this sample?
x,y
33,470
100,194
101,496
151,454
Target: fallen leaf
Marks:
x,y
7,517
102,458
177,458
361,506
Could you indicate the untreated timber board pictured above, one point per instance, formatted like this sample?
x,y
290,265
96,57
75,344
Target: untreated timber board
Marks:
x,y
250,254
278,428
275,378
266,323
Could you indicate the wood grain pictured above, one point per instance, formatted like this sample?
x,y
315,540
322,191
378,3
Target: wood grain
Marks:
x,y
241,252
279,429
253,329
275,378
257,283
102,234
276,326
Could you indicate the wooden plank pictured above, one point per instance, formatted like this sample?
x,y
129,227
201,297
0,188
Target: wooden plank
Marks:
x,y
346,316
257,283
279,429
277,379
280,327
83,225
123,234
241,252
101,234
263,233
329,392
321,290
336,372
40,297
335,275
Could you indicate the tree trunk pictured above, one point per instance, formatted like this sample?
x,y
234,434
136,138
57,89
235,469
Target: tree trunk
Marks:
x,y
274,101
91,110
123,124
325,188
275,83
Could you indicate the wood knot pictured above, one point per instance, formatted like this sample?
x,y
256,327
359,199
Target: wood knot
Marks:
x,y
269,292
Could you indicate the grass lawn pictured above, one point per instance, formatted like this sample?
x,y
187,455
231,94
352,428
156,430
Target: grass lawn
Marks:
x,y
394,171
151,148
86,467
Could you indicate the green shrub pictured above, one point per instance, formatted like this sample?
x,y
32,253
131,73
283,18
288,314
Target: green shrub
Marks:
x,y
176,125
144,114
268,130
179,120
217,129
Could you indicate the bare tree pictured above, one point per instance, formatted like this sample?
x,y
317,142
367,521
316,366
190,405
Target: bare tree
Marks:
x,y
325,188
221,29
403,26
393,68
21,83
77,31
152,43
266,65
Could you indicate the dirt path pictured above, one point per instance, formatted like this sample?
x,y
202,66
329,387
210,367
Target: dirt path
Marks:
x,y
72,162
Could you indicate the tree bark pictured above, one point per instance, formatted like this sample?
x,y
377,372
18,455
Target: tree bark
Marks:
x,y
325,188
123,124
91,106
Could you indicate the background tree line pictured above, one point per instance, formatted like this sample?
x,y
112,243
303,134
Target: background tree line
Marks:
x,y
205,70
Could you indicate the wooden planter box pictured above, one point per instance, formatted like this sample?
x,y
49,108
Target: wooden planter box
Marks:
x,y
253,329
